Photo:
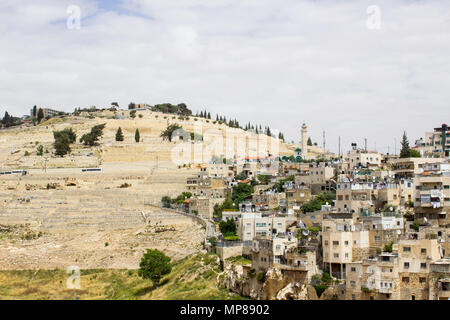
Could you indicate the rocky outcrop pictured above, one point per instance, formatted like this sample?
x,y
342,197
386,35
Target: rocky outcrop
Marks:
x,y
275,284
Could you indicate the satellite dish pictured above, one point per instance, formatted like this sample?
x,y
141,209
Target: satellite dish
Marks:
x,y
305,232
391,208
399,232
425,219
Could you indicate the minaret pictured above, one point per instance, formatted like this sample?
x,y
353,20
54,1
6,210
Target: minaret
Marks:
x,y
304,142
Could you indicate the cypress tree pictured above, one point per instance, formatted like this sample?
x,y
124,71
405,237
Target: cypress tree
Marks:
x,y
137,136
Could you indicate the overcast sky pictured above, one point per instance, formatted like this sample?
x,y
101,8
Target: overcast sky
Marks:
x,y
271,62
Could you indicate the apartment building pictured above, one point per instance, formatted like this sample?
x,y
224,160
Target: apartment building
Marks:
x,y
373,278
215,170
254,224
318,177
343,241
269,199
432,194
296,195
414,260
355,197
408,168
384,229
362,158
435,142
284,254
439,283
202,186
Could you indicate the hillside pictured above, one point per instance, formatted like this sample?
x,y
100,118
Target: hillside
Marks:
x,y
194,277
236,142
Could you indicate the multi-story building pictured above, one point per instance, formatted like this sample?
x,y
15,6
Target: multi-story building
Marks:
x,y
415,258
408,168
354,197
435,142
362,158
439,280
432,194
318,177
254,224
384,229
343,241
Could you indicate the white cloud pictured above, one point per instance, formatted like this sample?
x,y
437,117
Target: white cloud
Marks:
x,y
271,62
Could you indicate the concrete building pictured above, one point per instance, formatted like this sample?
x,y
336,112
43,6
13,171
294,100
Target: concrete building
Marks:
x,y
432,194
435,142
415,258
251,225
343,242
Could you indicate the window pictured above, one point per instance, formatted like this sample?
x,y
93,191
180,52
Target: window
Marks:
x,y
346,243
335,243
423,251
346,255
406,249
422,280
336,255
405,279
406,265
423,265
353,269
352,283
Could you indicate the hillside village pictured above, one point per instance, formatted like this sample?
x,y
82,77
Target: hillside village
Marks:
x,y
285,220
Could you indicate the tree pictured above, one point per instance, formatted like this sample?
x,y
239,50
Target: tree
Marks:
x,y
34,113
91,138
137,136
166,202
131,106
228,228
63,139
405,151
133,114
241,192
413,153
40,115
119,134
154,264
167,134
309,143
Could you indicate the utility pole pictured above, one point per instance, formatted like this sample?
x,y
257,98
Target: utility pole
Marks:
x,y
324,144
395,146
365,144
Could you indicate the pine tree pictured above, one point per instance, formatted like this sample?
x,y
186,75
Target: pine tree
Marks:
x,y
209,115
34,111
119,135
405,151
309,143
137,136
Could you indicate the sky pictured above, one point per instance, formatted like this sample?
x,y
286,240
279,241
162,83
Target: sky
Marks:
x,y
354,69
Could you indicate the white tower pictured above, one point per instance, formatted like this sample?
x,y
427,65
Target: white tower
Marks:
x,y
304,141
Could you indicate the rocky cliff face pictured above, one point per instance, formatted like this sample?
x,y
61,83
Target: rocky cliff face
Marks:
x,y
276,285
